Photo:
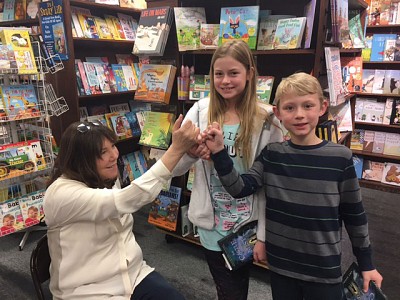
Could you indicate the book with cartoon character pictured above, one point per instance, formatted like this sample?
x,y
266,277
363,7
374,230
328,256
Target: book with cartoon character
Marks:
x,y
188,22
239,23
164,209
391,174
289,33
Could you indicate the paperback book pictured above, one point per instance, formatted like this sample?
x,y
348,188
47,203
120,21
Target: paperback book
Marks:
x,y
372,170
289,33
164,209
32,208
188,22
391,174
20,101
11,217
267,30
239,23
209,36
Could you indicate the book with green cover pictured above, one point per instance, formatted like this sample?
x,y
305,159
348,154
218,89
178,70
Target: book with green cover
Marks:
x,y
156,131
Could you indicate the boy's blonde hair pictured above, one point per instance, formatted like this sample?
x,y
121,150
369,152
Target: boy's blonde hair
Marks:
x,y
299,84
247,108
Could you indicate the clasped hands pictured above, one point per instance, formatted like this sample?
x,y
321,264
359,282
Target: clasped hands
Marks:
x,y
209,141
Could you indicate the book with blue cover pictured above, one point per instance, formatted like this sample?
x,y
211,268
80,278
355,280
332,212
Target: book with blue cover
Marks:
x,y
239,23
378,45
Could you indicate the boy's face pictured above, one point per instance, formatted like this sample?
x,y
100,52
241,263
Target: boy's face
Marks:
x,y
33,214
8,222
299,115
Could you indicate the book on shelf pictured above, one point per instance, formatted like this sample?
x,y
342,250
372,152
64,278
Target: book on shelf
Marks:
x,y
153,30
19,10
8,63
83,113
155,83
199,86
352,69
267,29
391,174
129,26
74,18
190,179
335,81
358,165
372,170
91,75
52,27
135,4
368,144
289,33
165,208
379,80
356,30
186,225
392,144
309,13
107,2
379,142
21,45
119,77
368,76
239,23
133,123
121,107
20,101
357,139
353,285
121,126
395,115
130,78
103,76
115,27
32,208
188,21
237,247
391,83
8,10
342,19
88,25
264,88
82,75
209,36
102,28
342,115
389,50
156,131
372,111
11,217
378,45
32,9
125,173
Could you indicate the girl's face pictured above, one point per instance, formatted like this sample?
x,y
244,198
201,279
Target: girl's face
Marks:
x,y
230,78
107,164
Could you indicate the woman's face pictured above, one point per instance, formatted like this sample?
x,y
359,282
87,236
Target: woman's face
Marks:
x,y
107,164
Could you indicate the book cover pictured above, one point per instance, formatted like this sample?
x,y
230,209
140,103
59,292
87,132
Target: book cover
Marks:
x,y
20,101
135,4
188,22
82,74
391,83
156,131
130,78
334,74
133,123
115,27
121,126
23,52
352,70
356,29
53,30
103,77
199,86
155,83
11,217
378,45
91,75
129,26
372,111
379,80
74,18
392,144
239,23
357,139
134,165
102,28
8,10
342,18
20,10
209,36
342,115
353,286
368,76
190,179
264,88
122,107
390,49
32,208
237,247
372,170
119,77
309,13
358,165
7,59
153,30
88,25
369,136
391,174
289,33
164,209
267,30
379,142
395,116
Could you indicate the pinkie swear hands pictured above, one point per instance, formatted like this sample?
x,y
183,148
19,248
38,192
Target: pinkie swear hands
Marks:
x,y
185,136
214,138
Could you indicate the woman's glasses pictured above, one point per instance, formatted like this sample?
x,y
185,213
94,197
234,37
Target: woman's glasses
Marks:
x,y
82,128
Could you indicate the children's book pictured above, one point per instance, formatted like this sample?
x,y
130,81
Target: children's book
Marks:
x,y
74,18
352,70
342,115
8,10
20,10
267,30
103,77
82,74
165,208
358,165
335,80
188,22
379,80
135,4
395,117
156,131
357,139
129,26
155,83
309,13
392,144
368,76
32,208
379,142
115,27
121,126
237,247
378,45
353,286
130,78
153,30
372,111
199,86
122,107
53,30
21,45
133,123
264,88
357,34
134,165
390,49
88,25
209,36
102,28
119,77
91,75
391,174
369,136
20,101
239,23
391,83
289,33
11,217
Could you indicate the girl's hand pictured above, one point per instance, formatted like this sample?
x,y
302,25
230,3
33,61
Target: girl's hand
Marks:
x,y
214,138
200,151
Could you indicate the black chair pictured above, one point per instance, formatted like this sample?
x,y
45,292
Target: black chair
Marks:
x,y
40,264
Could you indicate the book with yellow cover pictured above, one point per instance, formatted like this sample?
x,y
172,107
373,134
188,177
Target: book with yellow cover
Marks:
x,y
21,45
155,83
156,130
102,28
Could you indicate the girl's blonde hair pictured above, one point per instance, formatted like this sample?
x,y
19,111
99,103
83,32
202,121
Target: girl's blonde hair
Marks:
x,y
299,84
247,108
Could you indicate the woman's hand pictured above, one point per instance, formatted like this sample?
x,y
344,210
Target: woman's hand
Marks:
x,y
185,136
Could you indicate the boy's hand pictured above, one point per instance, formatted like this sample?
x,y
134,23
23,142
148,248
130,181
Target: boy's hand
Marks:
x,y
214,138
259,253
371,275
